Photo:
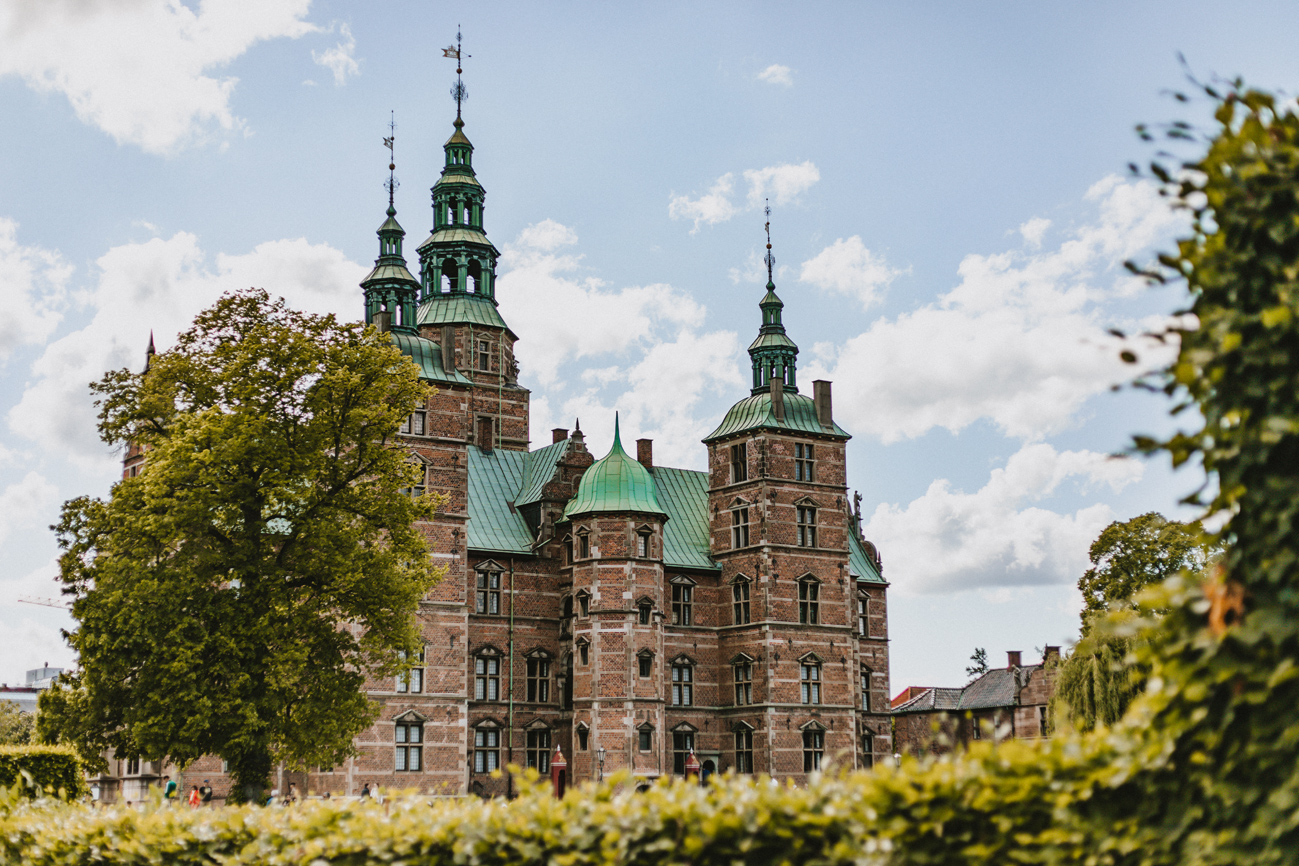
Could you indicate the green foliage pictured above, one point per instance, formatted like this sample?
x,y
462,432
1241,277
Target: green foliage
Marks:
x,y
34,771
1130,555
16,727
1098,682
979,663
231,598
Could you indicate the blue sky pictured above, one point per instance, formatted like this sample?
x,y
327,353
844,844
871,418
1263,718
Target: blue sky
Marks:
x,y
950,201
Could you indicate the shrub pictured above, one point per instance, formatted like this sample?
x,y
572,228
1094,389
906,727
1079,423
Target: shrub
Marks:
x,y
42,770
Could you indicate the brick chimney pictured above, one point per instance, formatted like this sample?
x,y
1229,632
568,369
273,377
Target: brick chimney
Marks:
x,y
821,396
778,398
558,434
1013,658
1051,652
645,452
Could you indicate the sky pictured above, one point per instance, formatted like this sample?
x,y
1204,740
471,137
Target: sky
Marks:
x,y
951,208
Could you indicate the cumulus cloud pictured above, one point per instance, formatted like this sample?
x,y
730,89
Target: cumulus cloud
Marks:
x,y
949,540
141,70
33,287
159,285
847,267
1033,230
777,74
339,59
541,287
1020,341
25,502
781,184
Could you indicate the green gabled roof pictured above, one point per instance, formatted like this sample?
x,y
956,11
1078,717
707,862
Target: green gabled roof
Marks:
x,y
754,413
541,469
615,482
456,234
427,355
494,480
859,562
459,308
683,493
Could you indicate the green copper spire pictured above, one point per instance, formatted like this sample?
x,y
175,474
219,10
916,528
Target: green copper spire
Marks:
x,y
390,290
616,482
775,355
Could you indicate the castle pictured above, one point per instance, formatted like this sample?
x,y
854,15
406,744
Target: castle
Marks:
x,y
624,613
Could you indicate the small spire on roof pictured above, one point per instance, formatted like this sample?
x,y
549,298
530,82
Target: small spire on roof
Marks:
x,y
149,353
617,439
392,161
769,258
458,91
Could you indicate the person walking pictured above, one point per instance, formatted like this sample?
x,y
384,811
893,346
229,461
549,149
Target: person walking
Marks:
x,y
168,788
205,793
365,791
194,797
291,797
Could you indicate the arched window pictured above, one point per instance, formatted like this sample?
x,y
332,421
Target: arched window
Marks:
x,y
475,272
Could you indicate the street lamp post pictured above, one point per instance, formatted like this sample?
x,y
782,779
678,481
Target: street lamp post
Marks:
x,y
599,753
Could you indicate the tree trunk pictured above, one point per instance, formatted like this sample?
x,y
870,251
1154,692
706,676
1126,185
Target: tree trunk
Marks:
x,y
249,773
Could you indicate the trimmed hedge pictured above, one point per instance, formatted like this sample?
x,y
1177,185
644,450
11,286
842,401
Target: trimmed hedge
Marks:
x,y
42,770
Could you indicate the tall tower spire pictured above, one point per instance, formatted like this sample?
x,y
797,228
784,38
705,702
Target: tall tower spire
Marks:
x,y
774,354
391,293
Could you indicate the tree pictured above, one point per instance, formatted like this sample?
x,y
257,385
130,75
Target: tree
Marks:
x,y
232,597
979,665
1130,555
1100,679
16,727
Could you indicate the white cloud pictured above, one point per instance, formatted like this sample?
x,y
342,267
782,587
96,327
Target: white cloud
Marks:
x,y
140,69
1021,340
159,285
949,540
567,317
777,74
25,502
847,267
339,59
781,184
712,207
1033,230
33,287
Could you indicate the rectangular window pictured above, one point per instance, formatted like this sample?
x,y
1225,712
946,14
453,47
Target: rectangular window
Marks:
x,y
683,685
582,734
418,490
682,596
409,739
866,690
804,466
643,614
813,749
743,750
683,743
642,544
976,732
740,528
743,672
646,664
1041,721
739,462
584,606
740,602
132,766
584,545
487,678
863,615
538,753
484,355
538,681
645,739
806,526
809,602
489,592
583,654
414,424
487,750
413,680
486,434
810,680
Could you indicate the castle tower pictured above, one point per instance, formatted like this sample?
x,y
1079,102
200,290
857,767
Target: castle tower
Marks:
x,y
616,527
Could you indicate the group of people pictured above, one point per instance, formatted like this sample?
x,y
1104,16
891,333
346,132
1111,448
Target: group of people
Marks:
x,y
199,795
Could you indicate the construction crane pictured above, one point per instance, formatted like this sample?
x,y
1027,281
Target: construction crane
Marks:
x,y
45,602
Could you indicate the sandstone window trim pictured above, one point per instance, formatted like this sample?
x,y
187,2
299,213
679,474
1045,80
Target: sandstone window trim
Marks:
x,y
683,599
741,600
863,613
487,590
804,462
683,681
742,676
645,663
813,747
408,742
743,734
866,675
411,682
645,611
537,747
584,543
487,747
583,736
583,651
740,527
415,424
806,514
739,462
809,600
537,666
809,679
683,744
583,604
487,675
645,737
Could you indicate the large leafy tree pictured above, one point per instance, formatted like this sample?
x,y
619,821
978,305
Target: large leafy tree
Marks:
x,y
232,597
1100,678
16,727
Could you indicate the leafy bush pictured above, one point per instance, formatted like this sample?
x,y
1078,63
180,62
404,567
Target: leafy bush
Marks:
x,y
42,770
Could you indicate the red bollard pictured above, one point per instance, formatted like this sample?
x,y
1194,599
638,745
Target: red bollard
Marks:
x,y
559,772
692,766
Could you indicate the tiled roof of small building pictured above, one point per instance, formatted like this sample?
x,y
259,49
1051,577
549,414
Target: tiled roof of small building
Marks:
x,y
995,688
930,700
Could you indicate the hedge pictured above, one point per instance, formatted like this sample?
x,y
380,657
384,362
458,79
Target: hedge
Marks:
x,y
42,771
1203,769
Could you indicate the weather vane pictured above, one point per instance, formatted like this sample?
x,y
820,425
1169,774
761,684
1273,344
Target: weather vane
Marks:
x,y
769,259
458,90
392,157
